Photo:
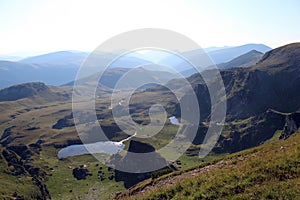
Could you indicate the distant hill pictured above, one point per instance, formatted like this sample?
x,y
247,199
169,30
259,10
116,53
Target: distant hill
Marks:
x,y
76,58
29,90
22,91
137,76
53,69
217,56
246,60
208,49
12,73
58,58
225,55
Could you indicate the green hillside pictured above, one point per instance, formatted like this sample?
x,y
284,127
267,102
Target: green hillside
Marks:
x,y
270,171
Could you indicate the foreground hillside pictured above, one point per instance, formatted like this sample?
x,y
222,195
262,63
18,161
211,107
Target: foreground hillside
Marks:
x,y
270,171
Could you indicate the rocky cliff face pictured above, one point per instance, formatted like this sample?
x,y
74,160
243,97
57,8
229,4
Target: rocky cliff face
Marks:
x,y
258,95
251,133
292,123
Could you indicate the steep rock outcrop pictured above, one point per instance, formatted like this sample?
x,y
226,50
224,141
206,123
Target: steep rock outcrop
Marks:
x,y
292,123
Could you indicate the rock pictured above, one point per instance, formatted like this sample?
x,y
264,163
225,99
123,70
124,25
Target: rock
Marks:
x,y
32,128
13,160
36,148
67,121
139,147
292,123
81,173
39,142
178,162
6,132
17,197
22,150
43,188
111,177
109,169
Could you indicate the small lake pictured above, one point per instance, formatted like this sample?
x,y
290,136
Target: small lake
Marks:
x,y
107,147
174,120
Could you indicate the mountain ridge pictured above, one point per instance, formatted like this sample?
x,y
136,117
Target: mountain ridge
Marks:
x,y
245,60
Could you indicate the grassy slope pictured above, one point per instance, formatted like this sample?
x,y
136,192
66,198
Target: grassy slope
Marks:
x,y
270,171
21,184
62,184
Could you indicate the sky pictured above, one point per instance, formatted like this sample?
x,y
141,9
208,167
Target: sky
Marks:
x,y
35,26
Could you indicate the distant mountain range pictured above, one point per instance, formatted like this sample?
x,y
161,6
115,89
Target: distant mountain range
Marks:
x,y
58,58
61,67
55,68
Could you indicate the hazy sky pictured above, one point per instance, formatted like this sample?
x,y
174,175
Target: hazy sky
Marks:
x,y
52,25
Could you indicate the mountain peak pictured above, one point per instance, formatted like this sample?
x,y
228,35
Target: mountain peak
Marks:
x,y
254,51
